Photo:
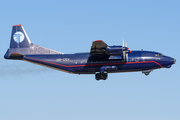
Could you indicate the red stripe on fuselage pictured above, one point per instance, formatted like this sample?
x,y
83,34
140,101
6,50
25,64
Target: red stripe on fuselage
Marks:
x,y
95,64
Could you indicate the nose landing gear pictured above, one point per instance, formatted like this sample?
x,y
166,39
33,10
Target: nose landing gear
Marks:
x,y
101,76
146,72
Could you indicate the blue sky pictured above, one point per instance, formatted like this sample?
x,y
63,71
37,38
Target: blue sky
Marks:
x,y
29,91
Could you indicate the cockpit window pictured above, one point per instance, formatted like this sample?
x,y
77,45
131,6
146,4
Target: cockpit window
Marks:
x,y
159,55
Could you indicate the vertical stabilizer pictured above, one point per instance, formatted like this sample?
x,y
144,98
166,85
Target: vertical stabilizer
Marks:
x,y
19,37
21,45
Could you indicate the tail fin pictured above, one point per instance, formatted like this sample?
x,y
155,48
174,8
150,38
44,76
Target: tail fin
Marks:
x,y
21,45
19,38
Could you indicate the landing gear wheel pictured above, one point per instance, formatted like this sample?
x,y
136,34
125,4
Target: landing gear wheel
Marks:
x,y
104,76
100,76
147,73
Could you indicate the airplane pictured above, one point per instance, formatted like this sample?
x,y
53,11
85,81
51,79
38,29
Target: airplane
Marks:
x,y
101,60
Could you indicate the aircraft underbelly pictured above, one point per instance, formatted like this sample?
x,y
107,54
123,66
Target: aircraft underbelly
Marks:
x,y
70,65
127,67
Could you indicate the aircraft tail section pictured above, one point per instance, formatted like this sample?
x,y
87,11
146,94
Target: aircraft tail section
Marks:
x,y
19,37
21,44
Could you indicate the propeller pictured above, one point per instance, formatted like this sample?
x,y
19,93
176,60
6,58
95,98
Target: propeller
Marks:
x,y
125,52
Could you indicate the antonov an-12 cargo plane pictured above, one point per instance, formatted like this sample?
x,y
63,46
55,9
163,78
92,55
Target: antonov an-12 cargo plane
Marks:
x,y
101,60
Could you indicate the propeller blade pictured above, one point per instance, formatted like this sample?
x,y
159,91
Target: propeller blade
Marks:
x,y
123,41
126,52
126,57
123,50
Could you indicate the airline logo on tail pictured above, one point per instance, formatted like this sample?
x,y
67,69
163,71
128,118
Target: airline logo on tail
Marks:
x,y
18,37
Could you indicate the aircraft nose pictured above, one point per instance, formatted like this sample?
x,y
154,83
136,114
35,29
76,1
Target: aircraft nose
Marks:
x,y
172,59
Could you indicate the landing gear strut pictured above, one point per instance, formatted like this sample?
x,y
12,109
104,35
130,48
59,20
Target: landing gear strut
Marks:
x,y
101,75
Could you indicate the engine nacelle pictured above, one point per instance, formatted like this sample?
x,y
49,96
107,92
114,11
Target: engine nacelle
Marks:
x,y
116,50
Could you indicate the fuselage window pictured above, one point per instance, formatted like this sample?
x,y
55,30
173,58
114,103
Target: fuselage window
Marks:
x,y
159,55
137,59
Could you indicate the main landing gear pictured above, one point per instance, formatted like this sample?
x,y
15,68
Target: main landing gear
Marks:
x,y
101,75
